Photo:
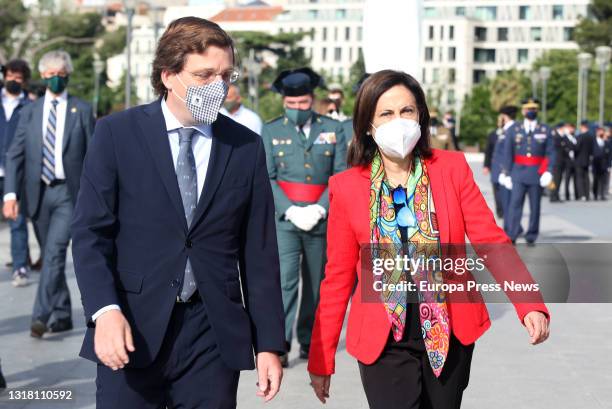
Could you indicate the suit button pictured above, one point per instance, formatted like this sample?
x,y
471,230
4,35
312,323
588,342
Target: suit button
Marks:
x,y
174,283
188,243
307,165
308,178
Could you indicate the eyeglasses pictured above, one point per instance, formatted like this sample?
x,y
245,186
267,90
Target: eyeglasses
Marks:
x,y
403,215
208,76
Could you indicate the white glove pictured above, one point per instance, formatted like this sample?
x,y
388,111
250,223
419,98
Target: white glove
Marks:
x,y
318,211
545,179
301,217
508,182
501,179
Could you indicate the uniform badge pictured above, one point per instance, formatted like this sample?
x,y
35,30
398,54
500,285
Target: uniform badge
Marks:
x,y
288,141
325,138
73,110
540,137
274,141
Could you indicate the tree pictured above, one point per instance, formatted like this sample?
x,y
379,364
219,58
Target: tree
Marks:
x,y
596,28
12,14
478,117
509,88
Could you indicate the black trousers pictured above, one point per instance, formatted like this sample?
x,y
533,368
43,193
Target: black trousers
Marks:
x,y
600,184
582,180
402,378
188,373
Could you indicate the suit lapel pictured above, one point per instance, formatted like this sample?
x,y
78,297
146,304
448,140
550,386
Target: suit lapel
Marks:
x,y
219,155
314,131
71,115
153,127
434,171
37,131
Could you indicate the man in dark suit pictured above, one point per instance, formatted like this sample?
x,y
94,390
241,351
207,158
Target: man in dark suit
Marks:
x,y
174,240
602,152
584,152
45,159
16,74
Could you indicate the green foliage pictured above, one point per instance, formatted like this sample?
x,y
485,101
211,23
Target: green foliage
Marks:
x,y
478,117
12,14
596,29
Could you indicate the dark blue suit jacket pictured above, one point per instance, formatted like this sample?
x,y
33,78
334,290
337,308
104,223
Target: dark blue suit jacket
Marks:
x,y
8,128
131,241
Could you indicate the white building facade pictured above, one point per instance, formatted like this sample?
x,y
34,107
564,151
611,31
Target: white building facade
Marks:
x,y
466,41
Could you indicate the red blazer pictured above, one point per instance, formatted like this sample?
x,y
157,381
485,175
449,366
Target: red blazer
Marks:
x,y
461,210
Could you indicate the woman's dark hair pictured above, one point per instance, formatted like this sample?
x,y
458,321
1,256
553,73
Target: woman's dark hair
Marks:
x,y
363,148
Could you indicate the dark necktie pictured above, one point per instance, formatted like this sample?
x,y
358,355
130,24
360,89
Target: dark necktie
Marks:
x,y
48,150
188,185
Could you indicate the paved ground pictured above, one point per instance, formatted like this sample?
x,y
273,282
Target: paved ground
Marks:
x,y
572,370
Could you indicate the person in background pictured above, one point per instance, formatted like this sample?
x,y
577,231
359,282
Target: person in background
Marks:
x,y
528,161
570,170
337,96
303,149
45,160
564,161
440,135
325,106
16,74
492,140
233,108
584,152
602,152
507,115
450,124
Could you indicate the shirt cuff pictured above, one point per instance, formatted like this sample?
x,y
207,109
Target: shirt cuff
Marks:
x,y
103,310
10,196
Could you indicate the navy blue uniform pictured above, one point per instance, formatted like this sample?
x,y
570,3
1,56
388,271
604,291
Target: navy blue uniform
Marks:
x,y
524,159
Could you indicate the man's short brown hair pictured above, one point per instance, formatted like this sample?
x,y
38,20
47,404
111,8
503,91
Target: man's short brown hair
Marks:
x,y
185,36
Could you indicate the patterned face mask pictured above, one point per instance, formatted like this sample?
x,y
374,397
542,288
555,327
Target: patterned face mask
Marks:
x,y
204,101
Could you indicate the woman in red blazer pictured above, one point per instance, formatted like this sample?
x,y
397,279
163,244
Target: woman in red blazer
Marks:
x,y
402,196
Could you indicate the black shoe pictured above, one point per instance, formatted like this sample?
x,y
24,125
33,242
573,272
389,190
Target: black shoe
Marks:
x,y
37,266
60,326
284,360
37,329
2,380
530,244
304,349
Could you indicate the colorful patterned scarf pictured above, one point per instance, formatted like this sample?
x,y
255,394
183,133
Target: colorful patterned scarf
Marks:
x,y
423,242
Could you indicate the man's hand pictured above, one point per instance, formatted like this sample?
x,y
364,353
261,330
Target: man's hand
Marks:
x,y
301,217
11,209
113,339
537,327
320,384
270,375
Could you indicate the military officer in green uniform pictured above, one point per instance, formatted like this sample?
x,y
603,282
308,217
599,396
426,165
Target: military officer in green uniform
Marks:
x,y
303,149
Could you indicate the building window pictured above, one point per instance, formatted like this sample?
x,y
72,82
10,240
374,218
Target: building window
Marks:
x,y
431,32
478,76
450,97
568,33
460,11
428,53
502,34
335,33
347,33
452,54
480,34
525,13
340,14
523,56
486,13
359,33
337,54
452,75
324,54
451,32
435,75
424,76
536,33
313,14
324,33
430,12
557,12
441,32
484,55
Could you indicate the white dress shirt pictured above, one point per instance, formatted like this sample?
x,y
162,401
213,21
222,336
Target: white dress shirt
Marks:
x,y
530,126
201,144
59,128
246,117
507,125
9,103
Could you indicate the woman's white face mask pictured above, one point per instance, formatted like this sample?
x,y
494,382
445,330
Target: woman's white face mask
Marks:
x,y
397,138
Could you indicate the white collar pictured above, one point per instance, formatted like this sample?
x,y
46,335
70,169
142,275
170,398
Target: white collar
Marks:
x,y
63,97
530,125
508,124
172,123
11,97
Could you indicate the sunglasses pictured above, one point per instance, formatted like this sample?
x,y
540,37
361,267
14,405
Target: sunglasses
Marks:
x,y
403,215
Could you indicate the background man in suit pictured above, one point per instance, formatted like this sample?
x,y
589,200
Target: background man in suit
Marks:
x,y
45,160
173,231
602,151
234,108
16,74
584,152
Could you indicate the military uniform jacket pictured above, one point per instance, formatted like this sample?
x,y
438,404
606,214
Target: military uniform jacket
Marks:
x,y
290,158
536,144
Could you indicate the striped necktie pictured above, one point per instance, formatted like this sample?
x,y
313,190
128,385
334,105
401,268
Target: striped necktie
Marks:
x,y
48,150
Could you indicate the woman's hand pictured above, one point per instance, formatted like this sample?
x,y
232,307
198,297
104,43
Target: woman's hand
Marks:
x,y
537,327
320,384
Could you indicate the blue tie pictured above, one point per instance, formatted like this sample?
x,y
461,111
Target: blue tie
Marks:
x,y
48,150
188,185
